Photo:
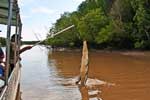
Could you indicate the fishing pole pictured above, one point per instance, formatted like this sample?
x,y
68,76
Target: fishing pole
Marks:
x,y
37,39
53,35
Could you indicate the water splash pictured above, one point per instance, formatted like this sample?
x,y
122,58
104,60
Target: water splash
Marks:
x,y
90,82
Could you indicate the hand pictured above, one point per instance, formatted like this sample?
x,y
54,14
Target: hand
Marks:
x,y
29,47
24,49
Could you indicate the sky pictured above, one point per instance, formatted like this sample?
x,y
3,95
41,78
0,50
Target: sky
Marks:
x,y
39,15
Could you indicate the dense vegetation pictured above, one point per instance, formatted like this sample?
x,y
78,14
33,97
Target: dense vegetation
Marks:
x,y
29,42
111,24
2,41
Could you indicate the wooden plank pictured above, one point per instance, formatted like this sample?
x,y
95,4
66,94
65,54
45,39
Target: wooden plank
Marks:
x,y
10,91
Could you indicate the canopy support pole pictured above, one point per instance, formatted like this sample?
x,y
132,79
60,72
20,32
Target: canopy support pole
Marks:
x,y
20,31
16,37
8,40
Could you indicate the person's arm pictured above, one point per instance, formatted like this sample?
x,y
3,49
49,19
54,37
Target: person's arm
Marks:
x,y
24,49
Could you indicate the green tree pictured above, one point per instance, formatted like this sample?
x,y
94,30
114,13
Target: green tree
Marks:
x,y
142,22
2,41
91,24
106,23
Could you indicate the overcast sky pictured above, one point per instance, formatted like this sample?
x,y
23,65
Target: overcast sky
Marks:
x,y
38,15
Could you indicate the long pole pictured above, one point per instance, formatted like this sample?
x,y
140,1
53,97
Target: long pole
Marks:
x,y
55,34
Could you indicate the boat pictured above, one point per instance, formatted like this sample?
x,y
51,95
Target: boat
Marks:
x,y
10,16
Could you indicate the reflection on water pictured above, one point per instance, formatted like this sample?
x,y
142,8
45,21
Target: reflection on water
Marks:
x,y
67,65
89,93
112,76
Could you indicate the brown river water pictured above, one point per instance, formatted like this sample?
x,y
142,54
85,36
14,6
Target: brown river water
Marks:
x,y
48,75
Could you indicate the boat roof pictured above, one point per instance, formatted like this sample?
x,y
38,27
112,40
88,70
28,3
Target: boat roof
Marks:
x,y
4,8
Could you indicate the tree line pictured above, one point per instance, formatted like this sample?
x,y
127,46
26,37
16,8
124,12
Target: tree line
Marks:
x,y
2,41
105,24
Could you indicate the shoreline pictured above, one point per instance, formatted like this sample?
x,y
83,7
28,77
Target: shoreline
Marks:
x,y
122,52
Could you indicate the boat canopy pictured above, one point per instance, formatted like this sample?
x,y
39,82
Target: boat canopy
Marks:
x,y
4,8
10,16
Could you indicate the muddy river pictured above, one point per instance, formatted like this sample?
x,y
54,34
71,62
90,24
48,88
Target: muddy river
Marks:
x,y
48,75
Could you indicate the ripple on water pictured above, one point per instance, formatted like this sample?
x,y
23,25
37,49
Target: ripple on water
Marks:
x,y
91,90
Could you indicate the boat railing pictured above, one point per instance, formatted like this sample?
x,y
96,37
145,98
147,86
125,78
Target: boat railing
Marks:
x,y
9,92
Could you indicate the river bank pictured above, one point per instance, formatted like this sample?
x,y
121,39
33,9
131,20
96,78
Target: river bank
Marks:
x,y
145,53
